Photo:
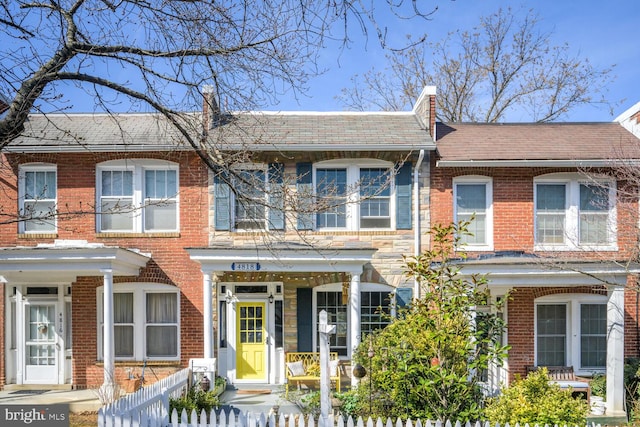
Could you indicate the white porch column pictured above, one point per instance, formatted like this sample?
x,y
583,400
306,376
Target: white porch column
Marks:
x,y
615,351
108,334
207,308
21,346
354,318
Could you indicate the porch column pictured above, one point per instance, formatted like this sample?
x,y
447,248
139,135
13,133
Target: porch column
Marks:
x,y
615,351
354,318
108,346
207,309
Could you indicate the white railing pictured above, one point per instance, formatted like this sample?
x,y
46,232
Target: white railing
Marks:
x,y
250,419
150,403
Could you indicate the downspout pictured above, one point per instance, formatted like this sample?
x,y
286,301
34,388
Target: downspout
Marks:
x,y
416,218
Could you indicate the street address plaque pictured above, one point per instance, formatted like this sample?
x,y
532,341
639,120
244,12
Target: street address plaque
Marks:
x,y
245,266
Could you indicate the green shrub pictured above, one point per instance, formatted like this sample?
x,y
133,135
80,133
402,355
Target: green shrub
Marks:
x,y
599,385
194,399
534,400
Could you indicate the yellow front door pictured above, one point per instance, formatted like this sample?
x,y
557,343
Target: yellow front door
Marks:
x,y
251,358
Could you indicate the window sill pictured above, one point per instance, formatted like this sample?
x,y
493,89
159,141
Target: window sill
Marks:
x,y
119,235
27,236
566,248
141,363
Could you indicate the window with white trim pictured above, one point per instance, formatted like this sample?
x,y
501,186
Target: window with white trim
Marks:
x,y
38,198
354,196
250,211
376,309
571,330
574,212
137,196
146,321
473,201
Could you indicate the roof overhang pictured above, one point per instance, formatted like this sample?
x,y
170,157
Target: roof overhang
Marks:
x,y
291,259
280,148
63,265
586,163
539,272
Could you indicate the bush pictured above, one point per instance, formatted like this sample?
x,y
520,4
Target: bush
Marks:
x,y
599,385
534,400
194,399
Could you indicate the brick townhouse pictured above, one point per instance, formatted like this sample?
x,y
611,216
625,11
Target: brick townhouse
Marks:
x,y
556,233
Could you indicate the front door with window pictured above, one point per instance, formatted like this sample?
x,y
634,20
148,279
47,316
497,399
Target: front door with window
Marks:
x,y
251,341
42,343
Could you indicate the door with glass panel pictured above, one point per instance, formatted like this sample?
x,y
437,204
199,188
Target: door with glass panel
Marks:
x,y
42,343
251,346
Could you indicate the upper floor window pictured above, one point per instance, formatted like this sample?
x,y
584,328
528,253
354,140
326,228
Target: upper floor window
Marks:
x,y
354,197
38,198
146,321
473,197
254,203
137,196
571,212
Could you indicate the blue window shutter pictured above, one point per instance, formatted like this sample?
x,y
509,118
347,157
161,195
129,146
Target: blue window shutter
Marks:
x,y
305,319
403,297
304,174
222,204
403,197
276,196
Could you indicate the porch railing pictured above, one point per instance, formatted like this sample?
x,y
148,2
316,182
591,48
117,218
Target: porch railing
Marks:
x,y
150,403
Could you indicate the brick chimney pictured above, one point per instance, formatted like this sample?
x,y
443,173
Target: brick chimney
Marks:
x,y
210,108
425,109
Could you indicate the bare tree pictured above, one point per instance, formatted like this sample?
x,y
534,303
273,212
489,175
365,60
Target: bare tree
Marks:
x,y
166,57
505,64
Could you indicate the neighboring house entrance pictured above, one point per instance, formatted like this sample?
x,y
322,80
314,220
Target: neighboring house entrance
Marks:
x,y
251,343
42,343
40,340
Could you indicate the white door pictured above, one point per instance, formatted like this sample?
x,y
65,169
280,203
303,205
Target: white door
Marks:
x,y
42,343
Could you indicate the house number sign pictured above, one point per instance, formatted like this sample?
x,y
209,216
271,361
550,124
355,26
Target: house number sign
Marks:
x,y
245,266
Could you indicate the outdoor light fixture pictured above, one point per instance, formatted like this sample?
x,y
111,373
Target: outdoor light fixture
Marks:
x,y
359,371
270,298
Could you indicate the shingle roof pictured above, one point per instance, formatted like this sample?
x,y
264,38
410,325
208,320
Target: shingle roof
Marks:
x,y
97,132
258,131
464,144
318,131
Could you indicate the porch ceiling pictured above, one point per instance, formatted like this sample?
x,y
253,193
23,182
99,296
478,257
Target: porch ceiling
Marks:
x,y
60,263
288,258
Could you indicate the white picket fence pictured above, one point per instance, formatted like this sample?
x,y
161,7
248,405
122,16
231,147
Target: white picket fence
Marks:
x,y
150,403
250,419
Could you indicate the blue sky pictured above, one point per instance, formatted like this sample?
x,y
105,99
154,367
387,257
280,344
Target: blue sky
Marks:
x,y
605,32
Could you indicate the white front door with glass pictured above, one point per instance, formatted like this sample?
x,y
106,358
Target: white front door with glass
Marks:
x,y
42,343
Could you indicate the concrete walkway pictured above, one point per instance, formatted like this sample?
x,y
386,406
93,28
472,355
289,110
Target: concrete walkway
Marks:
x,y
246,398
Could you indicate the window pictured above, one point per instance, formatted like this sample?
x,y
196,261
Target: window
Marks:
x,y
376,310
336,310
137,196
38,198
570,213
250,210
257,202
572,330
473,200
354,197
146,321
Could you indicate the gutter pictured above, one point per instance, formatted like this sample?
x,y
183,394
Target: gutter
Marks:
x,y
535,163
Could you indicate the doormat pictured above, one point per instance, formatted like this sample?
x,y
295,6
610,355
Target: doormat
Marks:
x,y
253,392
